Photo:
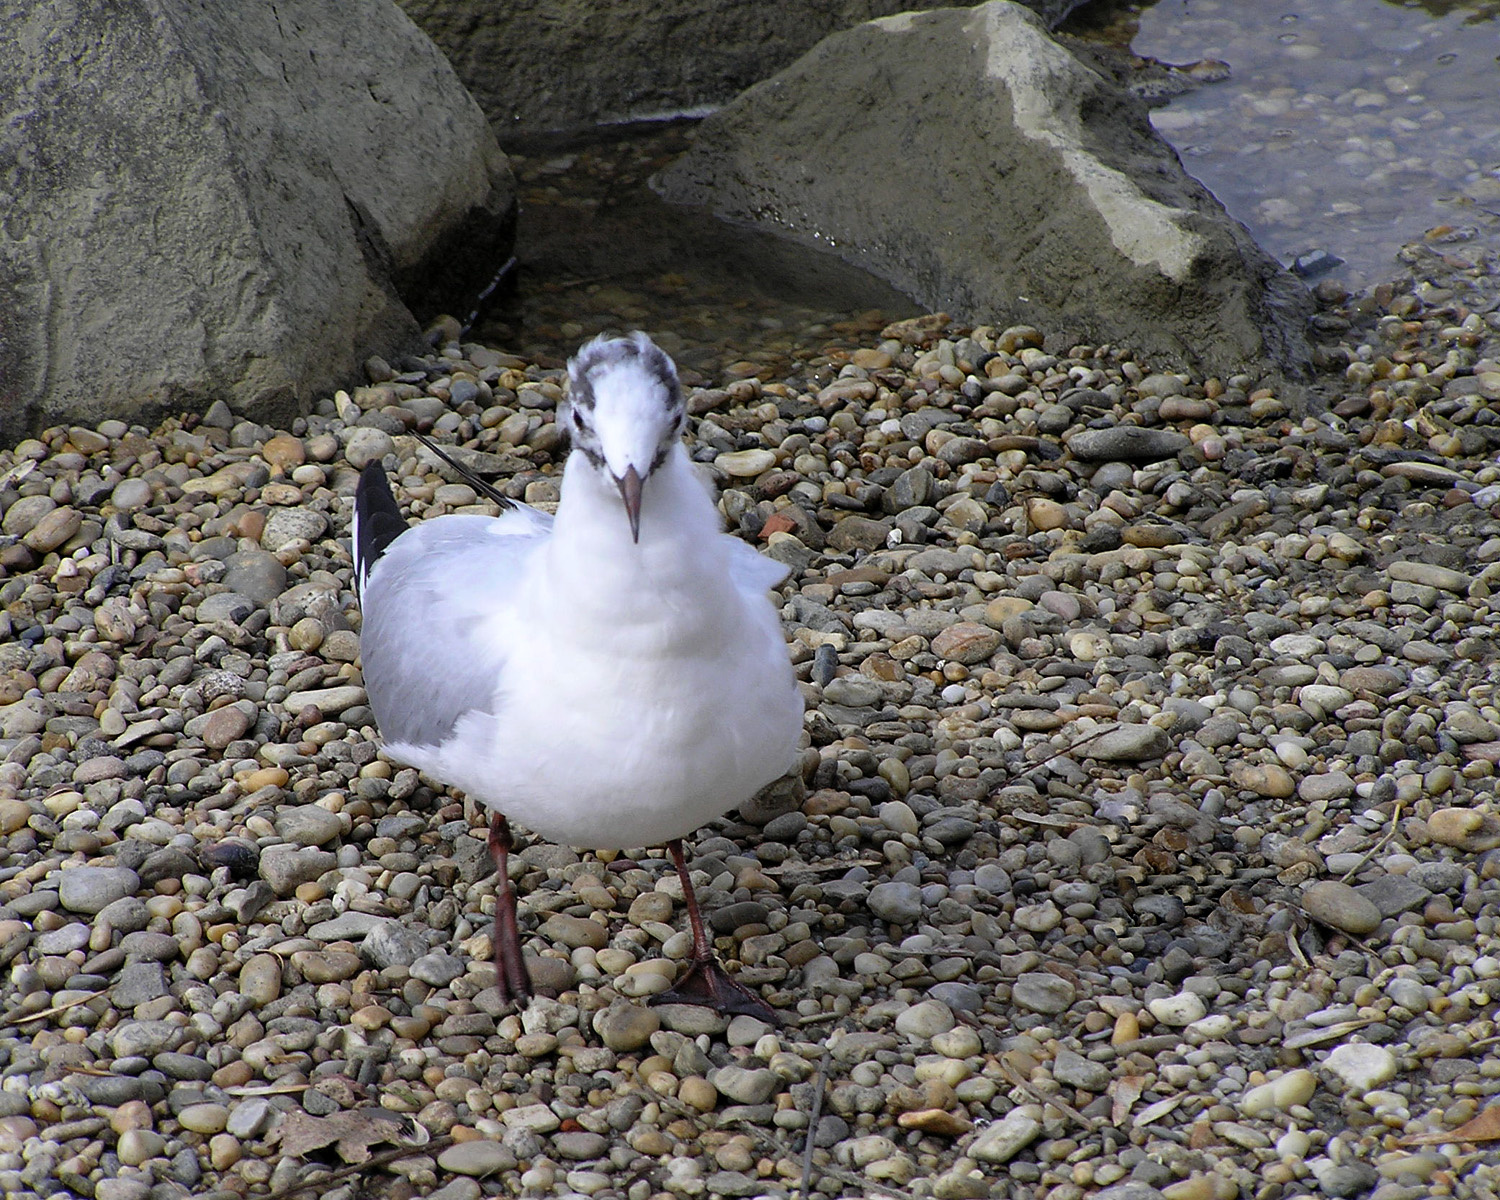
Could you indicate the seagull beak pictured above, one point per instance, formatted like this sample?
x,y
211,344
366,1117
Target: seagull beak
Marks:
x,y
630,492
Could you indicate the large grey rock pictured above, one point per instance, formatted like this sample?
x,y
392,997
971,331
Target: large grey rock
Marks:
x,y
972,161
587,63
207,201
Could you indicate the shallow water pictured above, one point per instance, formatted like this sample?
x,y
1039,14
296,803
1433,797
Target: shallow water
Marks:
x,y
1347,126
598,252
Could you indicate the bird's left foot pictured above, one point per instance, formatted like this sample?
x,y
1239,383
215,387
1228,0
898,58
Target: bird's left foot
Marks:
x,y
708,984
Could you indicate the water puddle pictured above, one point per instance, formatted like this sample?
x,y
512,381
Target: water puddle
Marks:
x,y
1349,127
598,251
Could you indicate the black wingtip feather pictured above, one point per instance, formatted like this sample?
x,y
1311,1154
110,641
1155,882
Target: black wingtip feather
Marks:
x,y
473,480
377,520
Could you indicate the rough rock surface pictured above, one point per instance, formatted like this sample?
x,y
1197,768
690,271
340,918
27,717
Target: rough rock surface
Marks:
x,y
210,202
966,157
632,58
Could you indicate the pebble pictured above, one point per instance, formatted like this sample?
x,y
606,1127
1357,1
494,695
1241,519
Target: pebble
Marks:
x,y
309,825
1128,743
966,642
898,903
260,979
1127,443
1361,1067
284,867
1002,1141
366,446
391,944
967,888
745,464
1286,1091
91,889
1179,1010
745,1085
1341,906
925,1020
477,1158
625,1027
1043,993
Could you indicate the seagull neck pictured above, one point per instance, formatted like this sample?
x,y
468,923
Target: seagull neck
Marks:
x,y
676,511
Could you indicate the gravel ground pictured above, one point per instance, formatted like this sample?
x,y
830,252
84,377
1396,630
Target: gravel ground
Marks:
x,y
1146,843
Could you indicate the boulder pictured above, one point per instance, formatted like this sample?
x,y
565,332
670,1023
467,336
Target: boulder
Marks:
x,y
219,201
972,161
587,64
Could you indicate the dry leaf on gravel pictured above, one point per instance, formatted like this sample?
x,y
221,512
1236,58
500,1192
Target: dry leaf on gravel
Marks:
x,y
1483,1128
352,1133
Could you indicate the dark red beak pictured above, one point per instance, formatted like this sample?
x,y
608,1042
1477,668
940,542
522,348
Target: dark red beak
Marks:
x,y
630,493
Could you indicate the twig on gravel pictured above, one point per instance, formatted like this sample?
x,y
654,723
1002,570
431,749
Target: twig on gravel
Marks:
x,y
1042,1097
373,1162
672,1104
1377,847
812,1119
12,1019
1071,746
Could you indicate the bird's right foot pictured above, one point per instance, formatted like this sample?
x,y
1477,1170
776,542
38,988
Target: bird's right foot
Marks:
x,y
513,979
706,983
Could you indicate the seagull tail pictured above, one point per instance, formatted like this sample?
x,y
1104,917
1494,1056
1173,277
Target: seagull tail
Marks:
x,y
377,522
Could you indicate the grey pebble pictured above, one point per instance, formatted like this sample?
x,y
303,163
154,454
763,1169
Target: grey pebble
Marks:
x,y
138,983
63,941
1128,743
1130,443
143,1039
308,825
1341,906
746,1085
580,1145
391,944
226,606
248,1117
286,525
477,1158
1073,1069
1043,992
437,969
1394,894
283,867
90,889
255,574
898,903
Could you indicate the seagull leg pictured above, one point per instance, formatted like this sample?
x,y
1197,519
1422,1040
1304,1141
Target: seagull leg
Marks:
x,y
705,981
514,980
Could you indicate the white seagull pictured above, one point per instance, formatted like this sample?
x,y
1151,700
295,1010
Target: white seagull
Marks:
x,y
611,677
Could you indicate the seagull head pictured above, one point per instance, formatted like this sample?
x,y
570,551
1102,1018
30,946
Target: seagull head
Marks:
x,y
625,413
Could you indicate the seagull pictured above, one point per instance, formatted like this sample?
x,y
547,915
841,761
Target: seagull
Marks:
x,y
611,676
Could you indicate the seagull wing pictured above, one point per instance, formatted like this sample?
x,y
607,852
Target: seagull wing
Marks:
x,y
752,572
427,645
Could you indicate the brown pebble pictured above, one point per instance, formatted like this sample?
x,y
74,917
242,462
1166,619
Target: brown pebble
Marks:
x,y
284,452
937,1121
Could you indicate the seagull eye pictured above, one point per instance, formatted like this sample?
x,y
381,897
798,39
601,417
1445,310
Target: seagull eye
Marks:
x,y
577,420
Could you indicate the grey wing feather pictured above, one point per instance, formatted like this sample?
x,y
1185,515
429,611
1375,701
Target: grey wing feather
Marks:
x,y
425,658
